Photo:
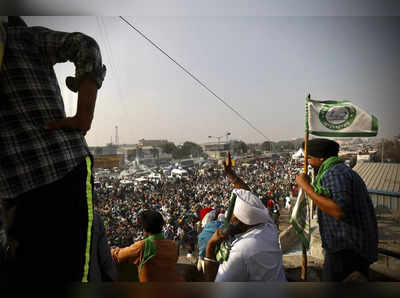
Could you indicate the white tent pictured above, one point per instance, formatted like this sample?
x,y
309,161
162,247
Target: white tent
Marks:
x,y
299,154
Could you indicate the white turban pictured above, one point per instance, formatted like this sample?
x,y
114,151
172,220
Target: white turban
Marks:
x,y
249,209
209,217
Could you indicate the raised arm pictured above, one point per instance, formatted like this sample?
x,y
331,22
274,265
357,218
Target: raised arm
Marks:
x,y
237,182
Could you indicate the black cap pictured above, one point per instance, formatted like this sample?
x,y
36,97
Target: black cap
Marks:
x,y
322,148
152,221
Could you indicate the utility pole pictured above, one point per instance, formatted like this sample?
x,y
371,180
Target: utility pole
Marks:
x,y
116,136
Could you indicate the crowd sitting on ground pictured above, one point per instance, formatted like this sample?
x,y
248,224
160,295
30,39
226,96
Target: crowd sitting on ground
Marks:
x,y
180,201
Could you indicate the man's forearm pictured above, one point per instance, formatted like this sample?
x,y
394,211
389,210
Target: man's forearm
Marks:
x,y
211,268
326,205
87,95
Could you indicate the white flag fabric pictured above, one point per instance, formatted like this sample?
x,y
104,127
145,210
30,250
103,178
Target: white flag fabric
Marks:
x,y
339,119
300,218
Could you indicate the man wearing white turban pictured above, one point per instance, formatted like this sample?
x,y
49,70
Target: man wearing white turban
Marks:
x,y
255,254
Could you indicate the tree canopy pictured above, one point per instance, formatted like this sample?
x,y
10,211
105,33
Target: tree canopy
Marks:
x,y
391,150
187,149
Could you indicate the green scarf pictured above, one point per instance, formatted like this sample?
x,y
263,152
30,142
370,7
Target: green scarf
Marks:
x,y
150,249
325,166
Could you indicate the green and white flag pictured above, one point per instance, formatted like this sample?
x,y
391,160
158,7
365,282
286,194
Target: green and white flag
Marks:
x,y
300,218
339,119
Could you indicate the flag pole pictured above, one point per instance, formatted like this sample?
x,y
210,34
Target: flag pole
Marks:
x,y
304,254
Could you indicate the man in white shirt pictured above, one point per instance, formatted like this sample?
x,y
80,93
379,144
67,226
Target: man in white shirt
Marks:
x,y
255,254
287,202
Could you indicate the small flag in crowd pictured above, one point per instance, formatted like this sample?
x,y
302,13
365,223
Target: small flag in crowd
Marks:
x,y
339,119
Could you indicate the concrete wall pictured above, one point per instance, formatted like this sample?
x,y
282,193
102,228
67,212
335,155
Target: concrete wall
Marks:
x,y
288,239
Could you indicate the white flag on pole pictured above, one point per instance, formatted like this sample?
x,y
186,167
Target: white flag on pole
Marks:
x,y
339,119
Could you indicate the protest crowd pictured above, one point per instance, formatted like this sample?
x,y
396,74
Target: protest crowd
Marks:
x,y
46,159
180,200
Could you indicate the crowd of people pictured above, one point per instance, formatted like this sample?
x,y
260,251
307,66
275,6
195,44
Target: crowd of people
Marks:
x,y
46,178
180,200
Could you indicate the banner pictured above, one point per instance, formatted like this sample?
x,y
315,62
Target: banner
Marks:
x,y
339,119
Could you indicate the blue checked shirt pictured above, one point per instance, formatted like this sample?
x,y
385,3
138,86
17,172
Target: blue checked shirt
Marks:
x,y
357,230
30,97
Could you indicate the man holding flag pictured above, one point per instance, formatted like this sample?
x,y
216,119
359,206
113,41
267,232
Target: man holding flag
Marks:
x,y
346,215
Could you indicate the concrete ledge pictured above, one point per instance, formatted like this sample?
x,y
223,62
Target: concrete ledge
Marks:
x,y
288,239
292,265
387,267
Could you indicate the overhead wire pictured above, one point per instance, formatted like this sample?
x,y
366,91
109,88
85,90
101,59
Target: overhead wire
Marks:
x,y
196,79
113,59
112,63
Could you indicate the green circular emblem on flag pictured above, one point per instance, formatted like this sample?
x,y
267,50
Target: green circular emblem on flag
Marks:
x,y
337,116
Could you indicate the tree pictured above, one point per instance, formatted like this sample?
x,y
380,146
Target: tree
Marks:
x,y
391,150
190,148
297,143
131,154
169,148
155,152
239,147
285,145
267,146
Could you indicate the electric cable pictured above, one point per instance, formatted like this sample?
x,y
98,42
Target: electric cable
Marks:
x,y
196,79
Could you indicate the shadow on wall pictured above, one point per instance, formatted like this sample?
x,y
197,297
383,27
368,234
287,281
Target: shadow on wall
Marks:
x,y
128,272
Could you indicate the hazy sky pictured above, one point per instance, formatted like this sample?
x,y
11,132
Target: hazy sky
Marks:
x,y
263,66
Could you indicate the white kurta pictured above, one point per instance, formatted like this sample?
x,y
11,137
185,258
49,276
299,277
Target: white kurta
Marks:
x,y
255,256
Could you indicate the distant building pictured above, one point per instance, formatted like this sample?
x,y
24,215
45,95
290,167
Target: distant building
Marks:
x,y
106,161
151,156
216,150
147,154
107,157
109,149
366,155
